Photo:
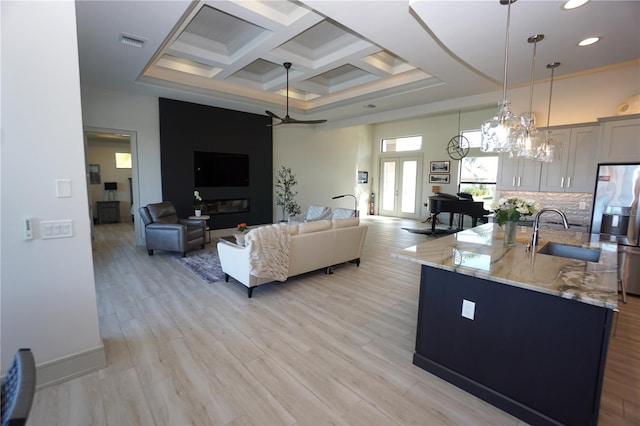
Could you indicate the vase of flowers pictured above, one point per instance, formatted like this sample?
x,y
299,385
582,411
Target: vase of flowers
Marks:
x,y
197,203
242,227
508,212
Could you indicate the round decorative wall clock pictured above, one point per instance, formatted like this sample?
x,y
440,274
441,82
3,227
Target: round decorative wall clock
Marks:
x,y
458,147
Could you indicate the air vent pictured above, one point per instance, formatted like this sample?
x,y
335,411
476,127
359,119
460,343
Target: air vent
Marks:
x,y
131,40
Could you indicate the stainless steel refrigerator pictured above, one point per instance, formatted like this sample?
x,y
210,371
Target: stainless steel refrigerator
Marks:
x,y
616,216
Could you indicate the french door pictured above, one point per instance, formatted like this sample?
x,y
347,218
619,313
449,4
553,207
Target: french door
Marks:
x,y
400,187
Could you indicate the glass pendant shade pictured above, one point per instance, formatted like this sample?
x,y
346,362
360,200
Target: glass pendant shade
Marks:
x,y
549,150
500,134
530,140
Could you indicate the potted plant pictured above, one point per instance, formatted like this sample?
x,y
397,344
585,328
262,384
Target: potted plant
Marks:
x,y
242,227
197,203
285,195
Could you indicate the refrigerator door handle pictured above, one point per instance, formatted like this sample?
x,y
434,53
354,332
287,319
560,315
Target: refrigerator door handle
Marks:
x,y
562,182
569,182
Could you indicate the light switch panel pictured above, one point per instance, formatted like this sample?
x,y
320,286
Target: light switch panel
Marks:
x,y
56,229
468,309
63,188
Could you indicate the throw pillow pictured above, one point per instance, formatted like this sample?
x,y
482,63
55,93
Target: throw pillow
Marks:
x,y
342,213
317,212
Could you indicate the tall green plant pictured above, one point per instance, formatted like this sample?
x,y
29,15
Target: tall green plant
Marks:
x,y
285,195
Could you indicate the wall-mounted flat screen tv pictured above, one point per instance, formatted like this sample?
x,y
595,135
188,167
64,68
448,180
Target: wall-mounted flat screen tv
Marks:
x,y
220,169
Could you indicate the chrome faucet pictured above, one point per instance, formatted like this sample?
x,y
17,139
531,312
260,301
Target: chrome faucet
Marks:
x,y
536,224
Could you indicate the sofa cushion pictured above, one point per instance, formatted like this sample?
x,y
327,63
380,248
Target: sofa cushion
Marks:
x,y
317,213
342,213
315,226
345,223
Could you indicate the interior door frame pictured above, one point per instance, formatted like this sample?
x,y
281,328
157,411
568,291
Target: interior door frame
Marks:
x,y
135,177
399,175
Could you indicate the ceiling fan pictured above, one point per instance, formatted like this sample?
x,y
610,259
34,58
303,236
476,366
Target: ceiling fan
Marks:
x,y
287,119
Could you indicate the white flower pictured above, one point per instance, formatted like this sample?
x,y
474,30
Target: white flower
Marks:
x,y
510,209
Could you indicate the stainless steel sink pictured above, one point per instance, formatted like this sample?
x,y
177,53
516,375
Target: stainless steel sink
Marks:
x,y
571,252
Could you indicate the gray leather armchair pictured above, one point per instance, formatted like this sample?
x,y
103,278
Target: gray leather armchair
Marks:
x,y
163,229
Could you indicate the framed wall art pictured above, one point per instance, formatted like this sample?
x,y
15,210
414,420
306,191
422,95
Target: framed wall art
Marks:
x,y
439,167
439,178
94,174
363,177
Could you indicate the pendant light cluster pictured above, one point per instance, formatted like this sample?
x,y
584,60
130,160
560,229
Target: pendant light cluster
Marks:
x,y
514,134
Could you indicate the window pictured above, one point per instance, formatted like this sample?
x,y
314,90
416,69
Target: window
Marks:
x,y
474,137
123,160
478,171
411,143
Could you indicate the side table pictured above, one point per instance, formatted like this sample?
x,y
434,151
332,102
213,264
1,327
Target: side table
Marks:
x,y
108,212
206,218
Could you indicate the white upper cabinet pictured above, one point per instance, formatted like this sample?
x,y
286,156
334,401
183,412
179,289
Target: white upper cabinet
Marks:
x,y
620,139
575,169
518,174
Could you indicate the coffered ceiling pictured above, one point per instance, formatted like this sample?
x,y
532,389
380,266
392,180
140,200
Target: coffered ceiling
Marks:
x,y
353,61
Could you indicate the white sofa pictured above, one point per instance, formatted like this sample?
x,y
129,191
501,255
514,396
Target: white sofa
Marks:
x,y
312,246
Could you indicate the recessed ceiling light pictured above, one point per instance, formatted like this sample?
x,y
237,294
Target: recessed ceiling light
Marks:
x,y
572,4
589,41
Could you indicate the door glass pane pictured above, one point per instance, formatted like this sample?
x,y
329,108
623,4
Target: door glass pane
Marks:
x,y
388,185
409,173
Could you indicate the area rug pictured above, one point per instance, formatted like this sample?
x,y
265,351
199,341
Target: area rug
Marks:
x,y
206,265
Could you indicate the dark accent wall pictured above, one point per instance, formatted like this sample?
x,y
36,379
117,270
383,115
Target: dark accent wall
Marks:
x,y
186,127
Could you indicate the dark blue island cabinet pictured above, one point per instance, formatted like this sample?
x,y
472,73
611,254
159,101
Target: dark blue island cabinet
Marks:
x,y
536,356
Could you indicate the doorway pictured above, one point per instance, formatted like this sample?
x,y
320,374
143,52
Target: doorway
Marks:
x,y
127,192
400,187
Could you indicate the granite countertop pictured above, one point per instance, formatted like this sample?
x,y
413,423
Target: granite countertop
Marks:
x,y
479,252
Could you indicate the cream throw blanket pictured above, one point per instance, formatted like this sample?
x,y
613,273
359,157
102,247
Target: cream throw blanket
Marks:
x,y
269,251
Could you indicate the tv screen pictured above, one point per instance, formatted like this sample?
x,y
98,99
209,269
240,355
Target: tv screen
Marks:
x,y
220,169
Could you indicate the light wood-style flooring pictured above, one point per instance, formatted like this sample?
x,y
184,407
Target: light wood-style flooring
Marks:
x,y
318,349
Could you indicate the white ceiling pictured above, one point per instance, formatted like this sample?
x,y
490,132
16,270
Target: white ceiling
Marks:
x,y
347,56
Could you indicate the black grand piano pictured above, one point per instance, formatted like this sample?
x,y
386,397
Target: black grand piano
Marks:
x,y
462,204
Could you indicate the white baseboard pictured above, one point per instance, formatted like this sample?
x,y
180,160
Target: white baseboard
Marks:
x,y
70,367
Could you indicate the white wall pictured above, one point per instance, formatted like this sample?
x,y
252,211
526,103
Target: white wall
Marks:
x,y
325,163
47,286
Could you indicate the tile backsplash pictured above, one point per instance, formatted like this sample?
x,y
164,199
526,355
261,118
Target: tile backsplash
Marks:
x,y
569,203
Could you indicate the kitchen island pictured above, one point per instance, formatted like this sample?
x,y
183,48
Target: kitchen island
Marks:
x,y
524,331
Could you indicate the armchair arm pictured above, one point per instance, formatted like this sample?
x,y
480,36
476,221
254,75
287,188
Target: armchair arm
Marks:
x,y
164,226
166,236
194,222
234,261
